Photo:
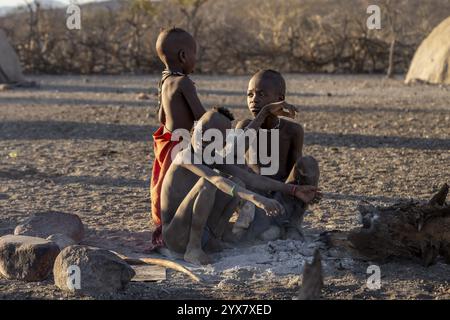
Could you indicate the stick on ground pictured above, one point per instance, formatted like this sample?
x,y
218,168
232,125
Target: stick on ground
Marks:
x,y
159,262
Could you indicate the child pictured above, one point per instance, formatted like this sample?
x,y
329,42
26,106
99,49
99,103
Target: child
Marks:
x,y
179,107
197,199
265,99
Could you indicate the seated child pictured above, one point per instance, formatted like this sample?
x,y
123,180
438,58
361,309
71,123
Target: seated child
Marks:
x,y
197,200
265,99
179,107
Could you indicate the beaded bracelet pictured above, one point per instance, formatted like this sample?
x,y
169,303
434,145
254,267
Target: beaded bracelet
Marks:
x,y
232,192
294,190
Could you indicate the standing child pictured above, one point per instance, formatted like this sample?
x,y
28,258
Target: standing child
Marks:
x,y
179,107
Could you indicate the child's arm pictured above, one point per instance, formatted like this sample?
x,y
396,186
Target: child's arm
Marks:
x,y
303,192
281,108
271,206
161,115
296,147
276,108
190,94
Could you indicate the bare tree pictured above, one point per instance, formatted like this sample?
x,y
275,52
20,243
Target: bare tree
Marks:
x,y
234,36
190,9
392,13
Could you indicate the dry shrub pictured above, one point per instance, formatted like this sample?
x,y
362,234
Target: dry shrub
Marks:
x,y
234,36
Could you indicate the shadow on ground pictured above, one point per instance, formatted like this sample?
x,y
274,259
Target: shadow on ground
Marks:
x,y
53,130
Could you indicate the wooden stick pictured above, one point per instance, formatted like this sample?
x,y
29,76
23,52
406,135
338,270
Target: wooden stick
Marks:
x,y
159,262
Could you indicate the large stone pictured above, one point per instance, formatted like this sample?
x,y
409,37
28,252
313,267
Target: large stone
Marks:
x,y
91,271
26,258
45,224
61,240
431,62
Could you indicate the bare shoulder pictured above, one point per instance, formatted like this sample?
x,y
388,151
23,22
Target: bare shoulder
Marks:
x,y
242,123
292,128
183,83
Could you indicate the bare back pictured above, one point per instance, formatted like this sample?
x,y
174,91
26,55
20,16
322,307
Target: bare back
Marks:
x,y
180,106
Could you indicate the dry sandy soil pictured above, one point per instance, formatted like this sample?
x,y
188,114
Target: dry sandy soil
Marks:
x,y
82,145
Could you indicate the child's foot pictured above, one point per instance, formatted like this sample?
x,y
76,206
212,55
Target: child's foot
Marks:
x,y
233,236
294,234
271,234
246,215
166,252
196,256
213,245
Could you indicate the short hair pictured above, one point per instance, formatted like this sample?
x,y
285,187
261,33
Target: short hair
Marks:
x,y
273,76
170,41
173,31
225,112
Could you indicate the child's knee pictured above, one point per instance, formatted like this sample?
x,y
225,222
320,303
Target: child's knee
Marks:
x,y
308,170
206,187
238,181
308,162
308,165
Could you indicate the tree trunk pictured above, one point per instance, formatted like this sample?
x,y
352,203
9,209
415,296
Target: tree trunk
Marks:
x,y
391,67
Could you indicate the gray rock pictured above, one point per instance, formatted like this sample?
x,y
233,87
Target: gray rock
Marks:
x,y
26,258
61,240
99,271
44,224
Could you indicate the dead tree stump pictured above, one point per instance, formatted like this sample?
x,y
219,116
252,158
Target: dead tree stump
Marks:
x,y
411,230
312,279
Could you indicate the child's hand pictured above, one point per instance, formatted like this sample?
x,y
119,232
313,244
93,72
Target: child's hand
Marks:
x,y
281,108
308,194
270,206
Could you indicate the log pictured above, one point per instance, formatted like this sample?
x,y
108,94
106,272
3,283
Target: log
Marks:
x,y
159,262
412,230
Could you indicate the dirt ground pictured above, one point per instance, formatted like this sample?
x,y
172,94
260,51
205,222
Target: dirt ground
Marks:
x,y
82,145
